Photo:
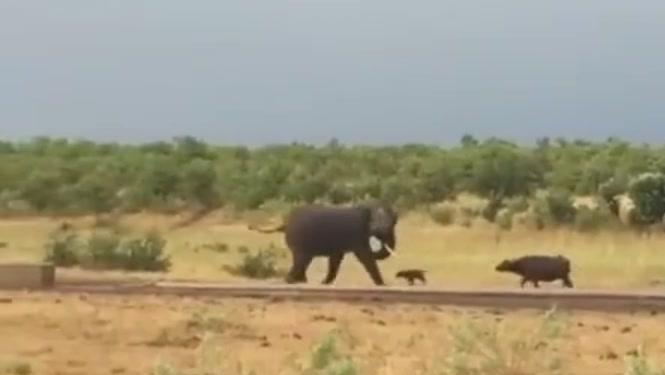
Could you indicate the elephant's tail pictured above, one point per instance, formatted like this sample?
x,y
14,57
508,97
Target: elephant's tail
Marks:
x,y
279,228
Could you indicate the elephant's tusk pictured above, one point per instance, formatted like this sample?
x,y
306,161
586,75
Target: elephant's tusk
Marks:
x,y
391,251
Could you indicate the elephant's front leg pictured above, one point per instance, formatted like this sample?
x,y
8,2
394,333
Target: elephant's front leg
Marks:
x,y
365,257
334,262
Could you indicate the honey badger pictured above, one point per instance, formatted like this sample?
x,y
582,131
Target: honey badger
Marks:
x,y
411,275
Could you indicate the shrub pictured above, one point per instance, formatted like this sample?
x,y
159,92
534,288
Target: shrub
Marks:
x,y
261,264
592,219
146,254
555,207
103,251
609,190
326,358
516,204
640,365
443,213
106,250
504,219
63,248
648,193
560,205
494,348
492,209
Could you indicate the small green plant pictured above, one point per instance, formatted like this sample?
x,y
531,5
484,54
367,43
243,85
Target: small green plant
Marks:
x,y
261,264
325,353
327,359
163,368
203,322
480,348
555,324
638,364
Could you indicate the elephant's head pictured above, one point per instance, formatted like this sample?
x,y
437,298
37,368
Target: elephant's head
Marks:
x,y
381,225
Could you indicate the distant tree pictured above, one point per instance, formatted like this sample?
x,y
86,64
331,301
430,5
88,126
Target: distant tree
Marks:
x,y
648,193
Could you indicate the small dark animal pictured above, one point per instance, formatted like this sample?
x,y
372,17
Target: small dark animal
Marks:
x,y
536,268
411,275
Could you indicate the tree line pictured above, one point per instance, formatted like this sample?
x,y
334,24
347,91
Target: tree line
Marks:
x,y
60,176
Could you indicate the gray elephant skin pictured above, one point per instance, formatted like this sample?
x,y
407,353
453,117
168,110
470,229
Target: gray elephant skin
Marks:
x,y
332,232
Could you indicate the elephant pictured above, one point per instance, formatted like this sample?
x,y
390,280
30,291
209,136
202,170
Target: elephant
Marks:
x,y
332,231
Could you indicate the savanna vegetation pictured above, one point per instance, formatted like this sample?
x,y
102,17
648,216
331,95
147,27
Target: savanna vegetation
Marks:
x,y
64,177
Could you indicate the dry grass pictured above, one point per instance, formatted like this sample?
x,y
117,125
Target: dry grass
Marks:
x,y
454,256
54,334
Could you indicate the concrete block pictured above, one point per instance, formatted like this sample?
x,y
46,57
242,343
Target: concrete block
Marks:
x,y
26,275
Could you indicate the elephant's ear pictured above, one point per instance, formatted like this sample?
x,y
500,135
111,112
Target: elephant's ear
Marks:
x,y
366,216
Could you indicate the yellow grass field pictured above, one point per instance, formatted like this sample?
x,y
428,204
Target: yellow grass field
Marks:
x,y
454,256
51,334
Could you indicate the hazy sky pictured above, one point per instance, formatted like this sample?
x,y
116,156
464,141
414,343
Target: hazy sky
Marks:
x,y
369,71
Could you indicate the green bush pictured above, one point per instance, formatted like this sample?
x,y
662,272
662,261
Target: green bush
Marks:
x,y
107,250
648,193
639,364
554,207
560,205
103,251
146,254
326,358
63,248
261,264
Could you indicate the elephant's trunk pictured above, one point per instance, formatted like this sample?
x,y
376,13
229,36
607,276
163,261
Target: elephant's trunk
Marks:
x,y
382,254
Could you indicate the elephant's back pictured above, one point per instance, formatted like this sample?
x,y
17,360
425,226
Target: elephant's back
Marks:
x,y
325,228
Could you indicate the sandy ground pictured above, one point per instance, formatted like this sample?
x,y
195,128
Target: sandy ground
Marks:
x,y
89,335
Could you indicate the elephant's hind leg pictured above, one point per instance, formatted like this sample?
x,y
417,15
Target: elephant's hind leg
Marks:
x,y
370,266
334,262
298,271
